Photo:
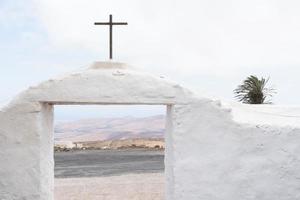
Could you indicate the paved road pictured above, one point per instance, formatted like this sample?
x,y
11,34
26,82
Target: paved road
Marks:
x,y
97,163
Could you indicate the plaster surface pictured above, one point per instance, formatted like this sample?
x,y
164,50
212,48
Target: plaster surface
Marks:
x,y
216,157
214,150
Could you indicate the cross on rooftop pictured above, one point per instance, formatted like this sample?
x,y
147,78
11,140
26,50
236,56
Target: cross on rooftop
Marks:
x,y
111,23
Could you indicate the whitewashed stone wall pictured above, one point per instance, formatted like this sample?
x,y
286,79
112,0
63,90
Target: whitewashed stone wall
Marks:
x,y
213,151
220,159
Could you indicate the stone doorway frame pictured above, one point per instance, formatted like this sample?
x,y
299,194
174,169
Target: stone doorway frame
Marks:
x,y
27,122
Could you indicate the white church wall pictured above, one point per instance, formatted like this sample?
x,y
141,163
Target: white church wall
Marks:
x,y
218,158
22,158
212,151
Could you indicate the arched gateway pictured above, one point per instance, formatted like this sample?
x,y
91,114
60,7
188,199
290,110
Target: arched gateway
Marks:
x,y
207,153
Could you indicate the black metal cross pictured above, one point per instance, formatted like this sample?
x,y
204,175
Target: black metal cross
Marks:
x,y
111,23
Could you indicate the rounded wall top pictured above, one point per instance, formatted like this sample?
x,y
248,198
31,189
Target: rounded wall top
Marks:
x,y
107,83
108,65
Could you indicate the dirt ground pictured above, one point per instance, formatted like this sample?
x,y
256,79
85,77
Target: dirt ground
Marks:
x,y
124,187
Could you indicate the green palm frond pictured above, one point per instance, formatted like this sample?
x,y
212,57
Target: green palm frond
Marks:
x,y
254,91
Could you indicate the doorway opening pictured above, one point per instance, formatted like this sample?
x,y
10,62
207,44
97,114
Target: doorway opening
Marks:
x,y
110,151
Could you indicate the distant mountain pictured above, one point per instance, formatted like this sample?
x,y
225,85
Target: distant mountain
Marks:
x,y
110,129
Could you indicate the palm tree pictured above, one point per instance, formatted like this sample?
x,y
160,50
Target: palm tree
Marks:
x,y
254,91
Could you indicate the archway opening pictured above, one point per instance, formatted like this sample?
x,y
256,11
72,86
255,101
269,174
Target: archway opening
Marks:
x,y
110,151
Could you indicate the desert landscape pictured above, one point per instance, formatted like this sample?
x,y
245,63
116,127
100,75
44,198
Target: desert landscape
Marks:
x,y
116,158
101,129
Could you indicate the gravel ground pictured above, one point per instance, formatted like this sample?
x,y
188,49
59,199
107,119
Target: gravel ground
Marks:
x,y
147,186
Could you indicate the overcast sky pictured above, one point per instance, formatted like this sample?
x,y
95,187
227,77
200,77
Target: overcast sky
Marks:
x,y
209,46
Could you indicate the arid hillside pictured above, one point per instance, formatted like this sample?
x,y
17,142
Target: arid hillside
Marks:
x,y
111,129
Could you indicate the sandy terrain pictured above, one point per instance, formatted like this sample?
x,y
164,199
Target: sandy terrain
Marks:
x,y
123,187
101,129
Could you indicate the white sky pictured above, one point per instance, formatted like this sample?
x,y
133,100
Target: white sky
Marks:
x,y
209,46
